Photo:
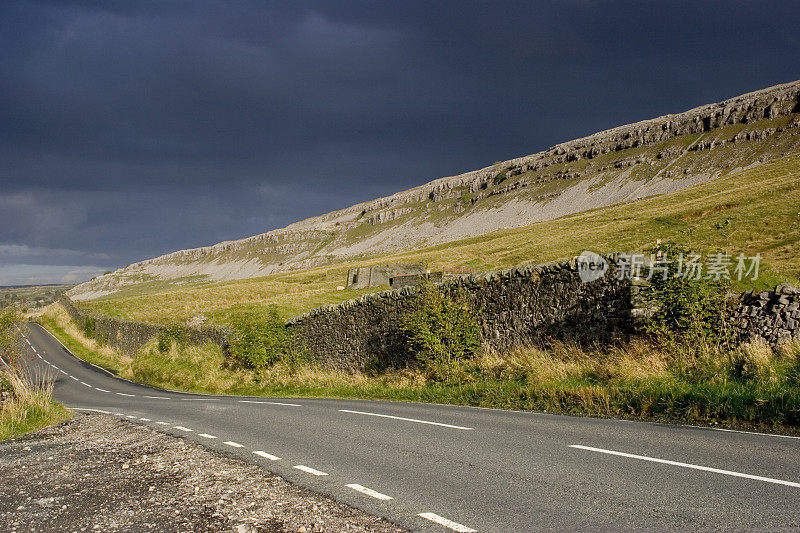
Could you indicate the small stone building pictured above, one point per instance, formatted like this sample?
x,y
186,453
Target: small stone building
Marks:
x,y
365,277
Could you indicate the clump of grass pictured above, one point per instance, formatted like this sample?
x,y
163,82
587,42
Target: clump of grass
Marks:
x,y
30,405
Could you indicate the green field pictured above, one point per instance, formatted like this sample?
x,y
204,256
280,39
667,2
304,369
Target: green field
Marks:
x,y
750,211
31,296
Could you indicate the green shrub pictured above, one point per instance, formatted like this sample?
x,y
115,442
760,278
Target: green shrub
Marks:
x,y
500,178
88,327
172,333
261,339
441,333
694,311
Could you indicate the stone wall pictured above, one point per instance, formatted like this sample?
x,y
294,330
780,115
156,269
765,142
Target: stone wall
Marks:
x,y
522,306
128,335
771,315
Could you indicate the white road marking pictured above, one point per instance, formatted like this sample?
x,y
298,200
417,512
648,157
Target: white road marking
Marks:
x,y
123,394
101,390
63,372
130,416
145,419
207,436
119,414
752,433
183,428
199,399
233,444
369,492
406,419
157,397
162,423
54,366
310,470
442,521
272,403
92,410
86,384
688,465
73,377
266,455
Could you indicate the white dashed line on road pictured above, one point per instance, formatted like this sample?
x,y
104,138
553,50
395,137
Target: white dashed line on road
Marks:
x,y
156,397
406,419
272,403
181,428
369,492
162,423
309,470
123,394
688,465
199,399
266,455
442,521
145,419
206,436
233,444
130,416
101,390
63,372
85,384
73,377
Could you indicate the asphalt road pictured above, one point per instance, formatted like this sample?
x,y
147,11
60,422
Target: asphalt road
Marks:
x,y
447,468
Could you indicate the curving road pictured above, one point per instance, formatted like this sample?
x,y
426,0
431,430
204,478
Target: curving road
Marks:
x,y
447,468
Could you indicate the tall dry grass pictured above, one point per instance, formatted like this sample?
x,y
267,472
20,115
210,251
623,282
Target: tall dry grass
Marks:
x,y
29,404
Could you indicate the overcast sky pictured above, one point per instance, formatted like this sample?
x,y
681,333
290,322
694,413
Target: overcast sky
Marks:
x,y
130,129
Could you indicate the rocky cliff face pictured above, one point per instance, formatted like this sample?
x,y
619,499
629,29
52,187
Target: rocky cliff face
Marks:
x,y
626,163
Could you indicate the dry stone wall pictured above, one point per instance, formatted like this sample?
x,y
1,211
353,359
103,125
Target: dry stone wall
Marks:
x,y
772,315
523,306
128,335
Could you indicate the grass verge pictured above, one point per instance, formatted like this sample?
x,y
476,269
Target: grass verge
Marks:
x,y
30,406
26,401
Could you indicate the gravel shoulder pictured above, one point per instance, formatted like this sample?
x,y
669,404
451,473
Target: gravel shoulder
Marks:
x,y
99,473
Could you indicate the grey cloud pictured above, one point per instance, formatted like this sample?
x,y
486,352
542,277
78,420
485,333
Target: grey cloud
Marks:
x,y
130,129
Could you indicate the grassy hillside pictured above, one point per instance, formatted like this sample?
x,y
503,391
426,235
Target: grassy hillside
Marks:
x,y
624,164
752,211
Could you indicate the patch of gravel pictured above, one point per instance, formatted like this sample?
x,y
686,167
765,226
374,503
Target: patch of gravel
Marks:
x,y
98,473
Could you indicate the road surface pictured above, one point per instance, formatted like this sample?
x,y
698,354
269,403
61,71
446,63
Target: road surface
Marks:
x,y
447,468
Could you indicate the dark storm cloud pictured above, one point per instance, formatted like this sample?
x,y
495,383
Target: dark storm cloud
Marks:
x,y
129,129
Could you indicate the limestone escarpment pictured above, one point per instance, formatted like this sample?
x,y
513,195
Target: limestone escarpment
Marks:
x,y
622,164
